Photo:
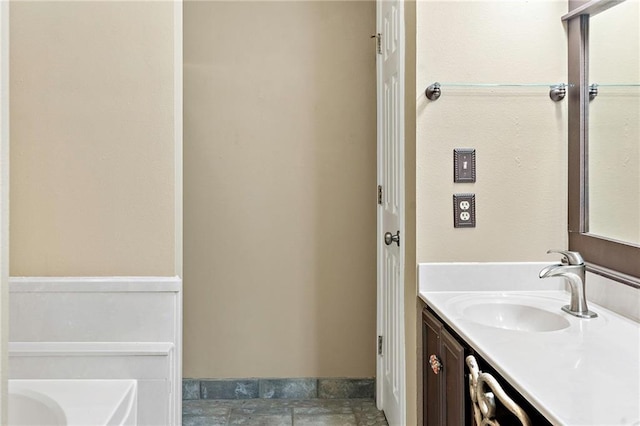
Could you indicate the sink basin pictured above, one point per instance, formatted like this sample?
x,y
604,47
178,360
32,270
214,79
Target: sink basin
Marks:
x,y
514,316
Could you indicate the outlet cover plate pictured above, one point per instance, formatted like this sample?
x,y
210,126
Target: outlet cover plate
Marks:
x,y
464,165
464,210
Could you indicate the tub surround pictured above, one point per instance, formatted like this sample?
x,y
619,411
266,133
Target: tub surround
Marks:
x,y
584,374
42,349
108,328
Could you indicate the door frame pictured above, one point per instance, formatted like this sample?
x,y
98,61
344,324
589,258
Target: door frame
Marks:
x,y
4,206
379,210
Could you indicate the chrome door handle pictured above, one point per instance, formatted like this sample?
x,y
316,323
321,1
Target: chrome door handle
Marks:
x,y
390,238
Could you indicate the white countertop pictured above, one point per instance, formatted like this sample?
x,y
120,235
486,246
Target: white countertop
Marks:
x,y
585,374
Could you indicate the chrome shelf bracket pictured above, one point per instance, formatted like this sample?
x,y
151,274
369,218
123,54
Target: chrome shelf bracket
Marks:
x,y
433,92
593,91
558,92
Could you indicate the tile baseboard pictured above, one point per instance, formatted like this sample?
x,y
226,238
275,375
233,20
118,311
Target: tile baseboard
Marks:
x,y
295,388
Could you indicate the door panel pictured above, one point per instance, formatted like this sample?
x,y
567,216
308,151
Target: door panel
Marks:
x,y
444,392
453,361
390,83
433,398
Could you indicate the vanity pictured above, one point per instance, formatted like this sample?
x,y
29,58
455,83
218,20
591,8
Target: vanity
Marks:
x,y
558,368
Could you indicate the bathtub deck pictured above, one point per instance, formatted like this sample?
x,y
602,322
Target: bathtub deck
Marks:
x,y
282,412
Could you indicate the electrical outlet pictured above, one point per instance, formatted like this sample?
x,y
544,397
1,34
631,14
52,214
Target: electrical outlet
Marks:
x,y
464,165
464,210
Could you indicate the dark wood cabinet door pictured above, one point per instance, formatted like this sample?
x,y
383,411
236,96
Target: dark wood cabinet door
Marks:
x,y
444,388
432,383
452,353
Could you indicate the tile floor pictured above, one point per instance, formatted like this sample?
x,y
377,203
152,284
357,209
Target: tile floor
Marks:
x,y
282,412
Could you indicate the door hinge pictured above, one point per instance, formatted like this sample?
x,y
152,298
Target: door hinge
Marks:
x,y
380,194
379,345
378,38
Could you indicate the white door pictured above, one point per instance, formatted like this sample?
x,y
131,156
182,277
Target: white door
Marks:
x,y
390,117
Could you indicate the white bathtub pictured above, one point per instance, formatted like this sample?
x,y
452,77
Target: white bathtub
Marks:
x,y
72,402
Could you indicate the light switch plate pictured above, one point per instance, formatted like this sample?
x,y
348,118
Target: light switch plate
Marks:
x,y
464,210
464,165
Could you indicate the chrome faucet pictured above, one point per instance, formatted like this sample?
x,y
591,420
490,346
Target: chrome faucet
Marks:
x,y
573,270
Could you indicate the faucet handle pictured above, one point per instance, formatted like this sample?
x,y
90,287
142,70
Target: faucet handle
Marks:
x,y
569,257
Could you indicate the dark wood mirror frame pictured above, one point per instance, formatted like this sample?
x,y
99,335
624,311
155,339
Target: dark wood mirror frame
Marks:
x,y
613,259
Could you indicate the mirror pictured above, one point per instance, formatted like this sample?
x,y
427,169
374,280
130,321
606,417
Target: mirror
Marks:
x,y
604,153
613,124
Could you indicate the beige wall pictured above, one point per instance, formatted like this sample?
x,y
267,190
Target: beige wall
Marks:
x,y
614,128
280,216
520,135
92,138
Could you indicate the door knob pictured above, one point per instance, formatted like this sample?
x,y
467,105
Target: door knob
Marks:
x,y
390,238
435,363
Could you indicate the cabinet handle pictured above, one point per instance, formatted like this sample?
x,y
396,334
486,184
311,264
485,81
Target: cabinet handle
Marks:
x,y
483,401
435,363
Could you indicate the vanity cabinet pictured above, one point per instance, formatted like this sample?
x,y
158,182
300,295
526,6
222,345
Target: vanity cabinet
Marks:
x,y
444,386
445,382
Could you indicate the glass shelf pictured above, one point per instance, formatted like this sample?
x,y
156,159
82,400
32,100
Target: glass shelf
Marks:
x,y
557,91
501,84
615,84
594,87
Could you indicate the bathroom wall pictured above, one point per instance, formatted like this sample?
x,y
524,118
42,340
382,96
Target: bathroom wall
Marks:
x,y
280,179
519,134
92,138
